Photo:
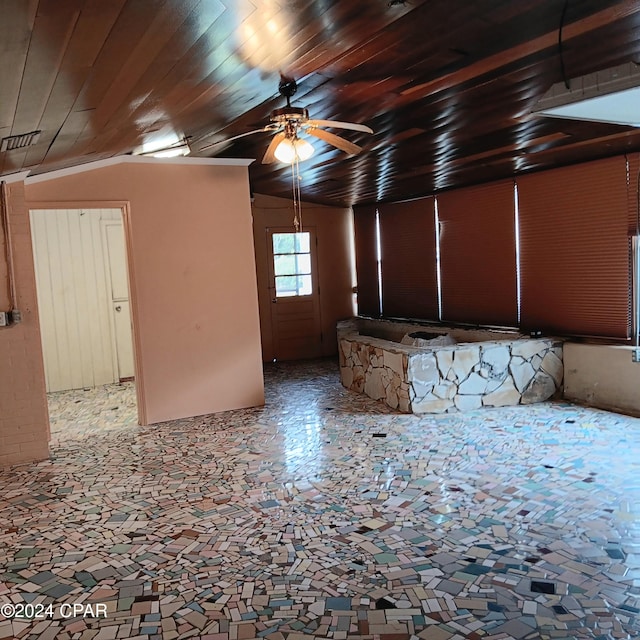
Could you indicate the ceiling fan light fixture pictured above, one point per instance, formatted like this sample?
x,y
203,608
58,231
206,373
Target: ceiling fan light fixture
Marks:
x,y
291,149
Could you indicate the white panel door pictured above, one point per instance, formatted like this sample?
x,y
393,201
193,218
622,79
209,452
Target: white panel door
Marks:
x,y
73,298
116,265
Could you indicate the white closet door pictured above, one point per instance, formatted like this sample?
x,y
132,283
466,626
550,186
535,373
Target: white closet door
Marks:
x,y
116,265
73,298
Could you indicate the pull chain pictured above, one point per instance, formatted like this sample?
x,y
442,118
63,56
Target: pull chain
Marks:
x,y
297,203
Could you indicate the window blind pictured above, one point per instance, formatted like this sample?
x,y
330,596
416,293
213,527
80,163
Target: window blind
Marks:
x,y
364,223
478,255
633,160
574,248
409,274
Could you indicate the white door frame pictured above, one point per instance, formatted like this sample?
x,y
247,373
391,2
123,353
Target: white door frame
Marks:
x,y
125,209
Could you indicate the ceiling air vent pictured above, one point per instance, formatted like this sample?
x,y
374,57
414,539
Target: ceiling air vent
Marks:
x,y
10,143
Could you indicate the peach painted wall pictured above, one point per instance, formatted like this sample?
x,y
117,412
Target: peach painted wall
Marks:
x,y
193,281
603,376
24,420
334,232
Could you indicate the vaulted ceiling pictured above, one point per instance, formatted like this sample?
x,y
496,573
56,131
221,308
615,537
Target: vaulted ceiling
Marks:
x,y
447,85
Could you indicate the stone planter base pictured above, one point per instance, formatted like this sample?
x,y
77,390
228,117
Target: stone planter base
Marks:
x,y
506,369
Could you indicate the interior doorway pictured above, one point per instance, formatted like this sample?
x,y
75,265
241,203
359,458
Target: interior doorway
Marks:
x,y
83,300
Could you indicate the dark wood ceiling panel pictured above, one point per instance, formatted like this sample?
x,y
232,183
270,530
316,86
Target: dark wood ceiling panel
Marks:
x,y
448,86
42,52
181,82
88,37
116,52
51,35
15,33
132,80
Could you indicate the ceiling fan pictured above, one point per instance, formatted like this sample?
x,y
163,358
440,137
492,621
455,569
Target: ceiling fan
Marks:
x,y
288,122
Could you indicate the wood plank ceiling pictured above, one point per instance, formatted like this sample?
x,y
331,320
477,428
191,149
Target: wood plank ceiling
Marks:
x,y
447,85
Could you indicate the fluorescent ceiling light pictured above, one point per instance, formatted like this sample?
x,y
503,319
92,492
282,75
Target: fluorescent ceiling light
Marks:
x,y
612,96
180,150
165,147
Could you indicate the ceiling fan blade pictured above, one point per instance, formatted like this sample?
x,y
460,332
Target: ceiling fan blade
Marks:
x,y
269,156
336,141
222,143
336,124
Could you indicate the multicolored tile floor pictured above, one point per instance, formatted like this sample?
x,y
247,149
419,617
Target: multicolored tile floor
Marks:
x,y
324,515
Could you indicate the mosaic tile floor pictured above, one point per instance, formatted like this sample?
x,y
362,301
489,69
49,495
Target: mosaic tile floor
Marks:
x,y
324,515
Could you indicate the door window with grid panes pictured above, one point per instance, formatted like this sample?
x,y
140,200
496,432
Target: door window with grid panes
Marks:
x,y
292,264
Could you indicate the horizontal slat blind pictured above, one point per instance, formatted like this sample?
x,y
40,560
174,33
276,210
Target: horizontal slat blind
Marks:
x,y
634,214
364,221
478,255
574,250
409,274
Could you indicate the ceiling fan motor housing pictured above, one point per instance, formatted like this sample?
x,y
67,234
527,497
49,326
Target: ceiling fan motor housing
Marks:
x,y
289,113
287,87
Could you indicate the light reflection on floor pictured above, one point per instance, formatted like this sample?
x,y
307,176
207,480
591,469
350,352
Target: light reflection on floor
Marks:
x,y
327,515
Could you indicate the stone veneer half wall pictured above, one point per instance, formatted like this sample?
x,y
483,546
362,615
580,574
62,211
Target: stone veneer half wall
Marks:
x,y
462,377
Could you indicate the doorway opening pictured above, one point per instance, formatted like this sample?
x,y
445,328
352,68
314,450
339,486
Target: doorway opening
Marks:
x,y
82,286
